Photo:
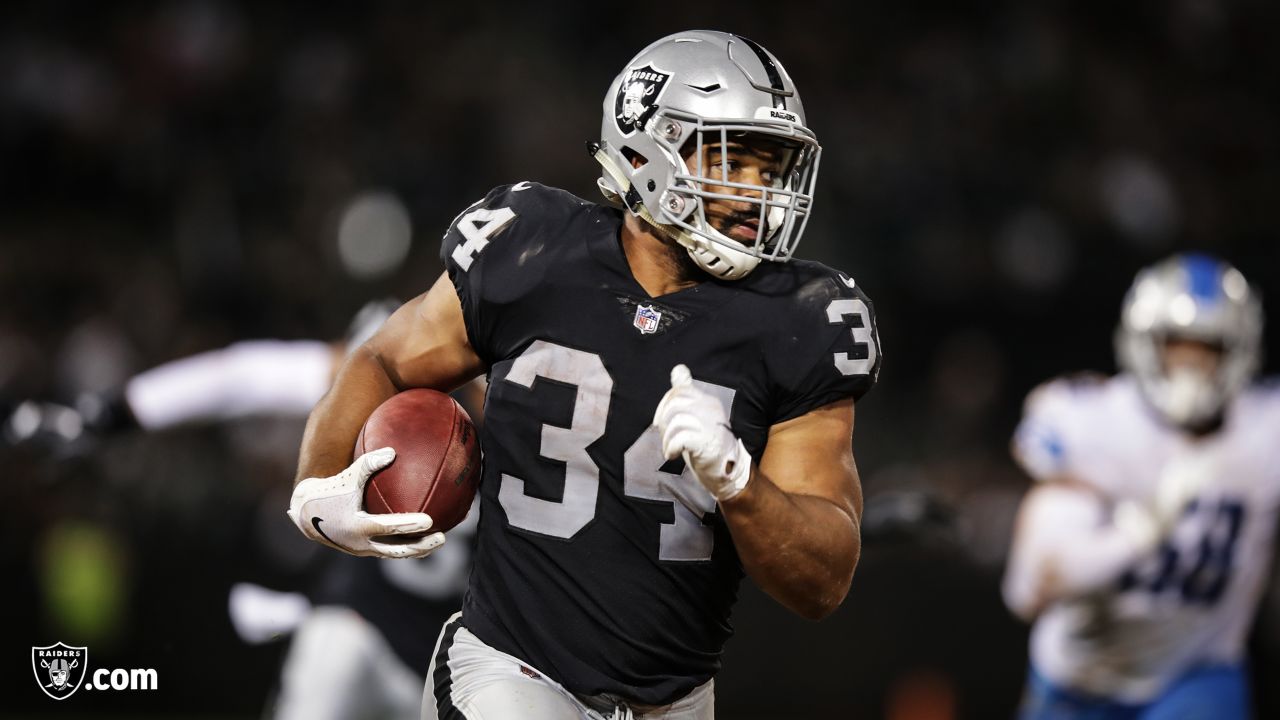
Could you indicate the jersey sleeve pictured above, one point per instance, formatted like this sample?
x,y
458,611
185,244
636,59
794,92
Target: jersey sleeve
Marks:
x,y
251,377
1050,441
493,254
830,349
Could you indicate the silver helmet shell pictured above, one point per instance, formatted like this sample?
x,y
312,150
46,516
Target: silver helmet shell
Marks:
x,y
700,88
1194,297
367,321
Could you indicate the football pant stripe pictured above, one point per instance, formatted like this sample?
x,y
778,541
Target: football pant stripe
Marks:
x,y
442,681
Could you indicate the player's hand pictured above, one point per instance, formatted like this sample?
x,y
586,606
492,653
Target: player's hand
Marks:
x,y
330,511
1181,479
1138,523
694,425
47,427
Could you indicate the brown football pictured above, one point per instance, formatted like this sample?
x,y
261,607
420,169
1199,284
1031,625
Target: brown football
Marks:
x,y
437,465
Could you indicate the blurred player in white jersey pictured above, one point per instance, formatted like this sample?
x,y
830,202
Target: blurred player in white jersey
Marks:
x,y
1143,550
362,640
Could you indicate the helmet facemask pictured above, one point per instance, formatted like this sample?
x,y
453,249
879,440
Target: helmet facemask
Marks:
x,y
778,203
1188,396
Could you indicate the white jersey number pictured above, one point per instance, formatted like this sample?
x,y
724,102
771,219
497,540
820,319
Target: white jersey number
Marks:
x,y
477,227
685,538
863,335
586,372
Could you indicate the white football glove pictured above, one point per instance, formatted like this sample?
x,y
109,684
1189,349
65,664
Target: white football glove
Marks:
x,y
330,510
694,424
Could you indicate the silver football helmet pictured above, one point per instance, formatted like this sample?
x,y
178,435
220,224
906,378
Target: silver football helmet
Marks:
x,y
368,320
1194,297
692,90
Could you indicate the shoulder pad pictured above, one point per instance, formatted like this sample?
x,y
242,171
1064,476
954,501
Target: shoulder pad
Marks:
x,y
1063,391
1056,421
515,213
502,246
1263,396
1269,385
827,339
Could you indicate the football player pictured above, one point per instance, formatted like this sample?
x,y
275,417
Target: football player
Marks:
x,y
1142,551
671,402
363,641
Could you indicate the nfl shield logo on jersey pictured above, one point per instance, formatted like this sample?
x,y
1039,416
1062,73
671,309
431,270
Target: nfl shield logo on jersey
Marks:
x,y
59,669
647,319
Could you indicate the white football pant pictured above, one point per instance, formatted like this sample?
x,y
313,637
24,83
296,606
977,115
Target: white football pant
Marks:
x,y
468,680
340,667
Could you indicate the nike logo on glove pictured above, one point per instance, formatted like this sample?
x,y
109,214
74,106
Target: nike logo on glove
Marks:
x,y
315,523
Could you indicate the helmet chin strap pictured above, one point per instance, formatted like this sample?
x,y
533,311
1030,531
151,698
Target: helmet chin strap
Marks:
x,y
696,247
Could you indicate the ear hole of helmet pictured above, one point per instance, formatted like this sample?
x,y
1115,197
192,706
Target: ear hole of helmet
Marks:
x,y
636,159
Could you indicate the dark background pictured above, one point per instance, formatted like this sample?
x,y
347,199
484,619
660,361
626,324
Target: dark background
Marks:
x,y
175,177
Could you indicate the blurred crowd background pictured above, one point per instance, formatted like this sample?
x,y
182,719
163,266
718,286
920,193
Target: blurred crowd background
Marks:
x,y
178,176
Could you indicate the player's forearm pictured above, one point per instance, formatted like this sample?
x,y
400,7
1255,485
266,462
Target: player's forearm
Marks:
x,y
360,386
1089,565
1066,547
1056,578
800,549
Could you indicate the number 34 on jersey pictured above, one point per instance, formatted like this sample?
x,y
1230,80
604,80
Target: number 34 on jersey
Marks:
x,y
549,299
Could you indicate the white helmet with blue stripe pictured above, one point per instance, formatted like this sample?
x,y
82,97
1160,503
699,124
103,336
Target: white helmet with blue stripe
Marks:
x,y
1192,297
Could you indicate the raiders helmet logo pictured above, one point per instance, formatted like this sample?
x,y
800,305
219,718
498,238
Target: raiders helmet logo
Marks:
x,y
638,97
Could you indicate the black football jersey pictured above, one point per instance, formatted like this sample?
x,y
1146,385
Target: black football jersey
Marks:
x,y
598,562
406,600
